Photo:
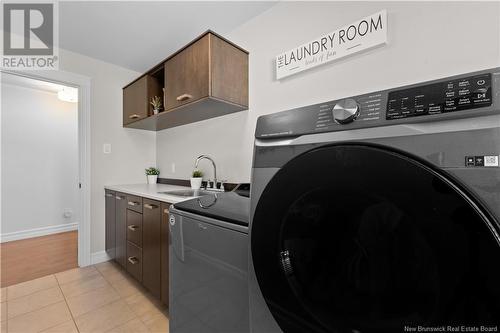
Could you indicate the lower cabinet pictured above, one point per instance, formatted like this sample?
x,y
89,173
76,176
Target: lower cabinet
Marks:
x,y
137,238
151,238
121,229
110,244
165,240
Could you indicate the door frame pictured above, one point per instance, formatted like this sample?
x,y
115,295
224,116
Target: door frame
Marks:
x,y
83,84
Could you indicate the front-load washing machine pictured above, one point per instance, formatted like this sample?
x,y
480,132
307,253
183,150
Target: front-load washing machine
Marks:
x,y
379,212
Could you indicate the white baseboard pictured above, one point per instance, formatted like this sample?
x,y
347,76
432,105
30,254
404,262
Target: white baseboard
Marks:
x,y
98,257
44,231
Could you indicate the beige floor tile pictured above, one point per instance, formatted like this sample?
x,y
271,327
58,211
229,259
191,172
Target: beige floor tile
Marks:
x,y
3,294
146,308
104,318
112,276
34,301
84,285
3,311
29,287
40,319
84,303
111,271
107,267
158,324
76,274
67,327
132,326
126,286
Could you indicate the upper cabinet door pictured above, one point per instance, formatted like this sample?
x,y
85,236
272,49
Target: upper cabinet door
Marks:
x,y
136,98
135,102
187,76
229,72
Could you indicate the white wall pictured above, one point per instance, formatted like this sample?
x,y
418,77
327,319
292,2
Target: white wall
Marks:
x,y
39,159
132,150
427,40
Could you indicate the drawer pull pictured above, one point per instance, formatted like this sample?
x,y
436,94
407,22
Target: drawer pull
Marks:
x,y
133,260
201,226
183,97
149,206
134,116
119,197
133,203
166,211
132,227
109,195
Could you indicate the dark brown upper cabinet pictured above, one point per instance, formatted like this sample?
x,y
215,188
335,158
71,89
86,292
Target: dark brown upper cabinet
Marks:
x,y
207,78
136,98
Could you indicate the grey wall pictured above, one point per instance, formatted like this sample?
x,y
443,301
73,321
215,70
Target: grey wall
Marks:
x,y
131,150
427,40
39,159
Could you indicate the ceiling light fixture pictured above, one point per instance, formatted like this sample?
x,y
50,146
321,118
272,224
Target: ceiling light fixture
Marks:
x,y
68,94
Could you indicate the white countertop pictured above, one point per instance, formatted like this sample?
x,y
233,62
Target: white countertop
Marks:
x,y
150,191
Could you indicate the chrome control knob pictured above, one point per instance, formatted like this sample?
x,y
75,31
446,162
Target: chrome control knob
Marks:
x,y
345,111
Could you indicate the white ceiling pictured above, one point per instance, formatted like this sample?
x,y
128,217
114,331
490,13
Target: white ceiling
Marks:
x,y
138,35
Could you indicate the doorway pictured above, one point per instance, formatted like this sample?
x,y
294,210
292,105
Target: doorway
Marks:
x,y
44,200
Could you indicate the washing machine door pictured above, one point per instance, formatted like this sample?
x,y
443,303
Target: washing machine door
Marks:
x,y
360,238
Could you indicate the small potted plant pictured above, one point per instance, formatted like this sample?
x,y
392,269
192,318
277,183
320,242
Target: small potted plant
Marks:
x,y
152,174
156,103
196,179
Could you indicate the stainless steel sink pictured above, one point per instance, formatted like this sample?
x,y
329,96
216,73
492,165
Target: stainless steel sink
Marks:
x,y
187,193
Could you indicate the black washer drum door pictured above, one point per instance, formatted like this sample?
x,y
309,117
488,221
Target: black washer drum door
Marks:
x,y
360,238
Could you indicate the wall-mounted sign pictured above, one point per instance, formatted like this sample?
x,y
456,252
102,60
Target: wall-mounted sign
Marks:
x,y
366,33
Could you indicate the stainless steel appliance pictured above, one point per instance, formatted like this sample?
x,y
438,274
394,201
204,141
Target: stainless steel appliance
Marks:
x,y
209,263
379,212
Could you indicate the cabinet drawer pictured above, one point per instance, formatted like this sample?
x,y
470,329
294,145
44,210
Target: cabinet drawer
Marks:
x,y
134,227
134,261
134,203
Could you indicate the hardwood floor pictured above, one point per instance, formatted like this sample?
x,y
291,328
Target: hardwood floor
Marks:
x,y
28,259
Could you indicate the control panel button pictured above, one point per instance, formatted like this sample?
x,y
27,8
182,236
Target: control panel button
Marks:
x,y
345,111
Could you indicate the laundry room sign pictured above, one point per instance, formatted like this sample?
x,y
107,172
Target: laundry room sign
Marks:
x,y
363,34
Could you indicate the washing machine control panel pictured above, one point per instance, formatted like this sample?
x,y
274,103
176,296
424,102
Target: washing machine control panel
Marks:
x,y
461,96
446,96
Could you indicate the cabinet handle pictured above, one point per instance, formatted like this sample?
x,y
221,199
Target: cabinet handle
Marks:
x,y
119,197
133,203
149,206
133,227
134,116
201,226
109,194
166,211
184,97
133,260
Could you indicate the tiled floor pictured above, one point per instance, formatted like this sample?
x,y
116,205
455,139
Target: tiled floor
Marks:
x,y
100,298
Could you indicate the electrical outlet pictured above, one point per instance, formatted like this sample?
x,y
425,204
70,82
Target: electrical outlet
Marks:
x,y
67,213
172,167
106,148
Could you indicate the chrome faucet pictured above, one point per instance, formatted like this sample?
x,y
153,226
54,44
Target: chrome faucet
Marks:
x,y
201,157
